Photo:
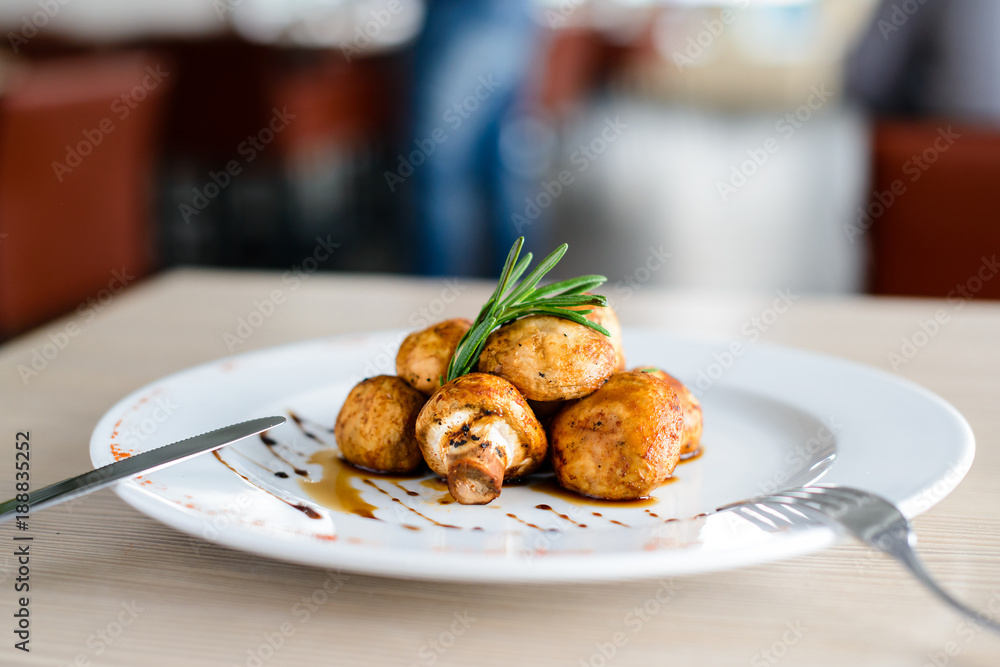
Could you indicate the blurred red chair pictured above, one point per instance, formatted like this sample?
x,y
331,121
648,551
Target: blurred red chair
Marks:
x,y
77,151
945,215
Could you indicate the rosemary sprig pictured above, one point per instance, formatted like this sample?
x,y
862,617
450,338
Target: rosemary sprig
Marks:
x,y
511,300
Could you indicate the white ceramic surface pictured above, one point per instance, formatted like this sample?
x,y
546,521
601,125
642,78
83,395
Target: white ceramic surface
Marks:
x,y
774,417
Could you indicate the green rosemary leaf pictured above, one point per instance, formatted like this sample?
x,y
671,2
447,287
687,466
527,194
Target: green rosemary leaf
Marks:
x,y
467,355
571,286
511,300
577,316
508,269
519,270
529,283
567,300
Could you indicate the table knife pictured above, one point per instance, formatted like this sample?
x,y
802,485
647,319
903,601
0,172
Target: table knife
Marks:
x,y
153,459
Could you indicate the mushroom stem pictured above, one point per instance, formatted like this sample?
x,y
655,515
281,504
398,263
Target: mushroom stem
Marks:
x,y
476,476
475,431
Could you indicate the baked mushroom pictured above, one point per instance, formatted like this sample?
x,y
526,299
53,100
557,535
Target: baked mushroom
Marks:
x,y
689,404
549,358
476,431
620,442
607,318
375,426
424,355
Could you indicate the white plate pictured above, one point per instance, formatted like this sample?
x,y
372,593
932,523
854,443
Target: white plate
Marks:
x,y
774,417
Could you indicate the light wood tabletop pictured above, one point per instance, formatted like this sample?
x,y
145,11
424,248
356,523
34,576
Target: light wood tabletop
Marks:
x,y
111,586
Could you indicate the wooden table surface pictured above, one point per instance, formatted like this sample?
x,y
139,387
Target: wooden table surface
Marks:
x,y
110,586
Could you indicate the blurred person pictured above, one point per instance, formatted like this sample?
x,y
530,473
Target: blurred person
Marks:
x,y
929,57
472,63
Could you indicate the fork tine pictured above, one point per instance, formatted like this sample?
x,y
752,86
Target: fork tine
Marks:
x,y
756,519
795,510
845,492
773,512
796,500
789,498
823,497
793,514
798,493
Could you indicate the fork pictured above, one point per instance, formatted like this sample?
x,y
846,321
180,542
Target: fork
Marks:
x,y
868,517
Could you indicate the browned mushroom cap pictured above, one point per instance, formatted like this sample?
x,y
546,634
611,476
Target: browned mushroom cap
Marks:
x,y
607,318
375,427
689,404
424,355
549,358
622,441
476,431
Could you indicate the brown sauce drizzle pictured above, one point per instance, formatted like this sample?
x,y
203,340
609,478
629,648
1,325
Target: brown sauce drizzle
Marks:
x,y
271,443
234,450
300,422
530,525
559,514
308,511
406,490
551,487
372,484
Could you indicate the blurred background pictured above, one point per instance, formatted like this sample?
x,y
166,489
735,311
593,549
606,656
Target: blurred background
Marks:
x,y
820,146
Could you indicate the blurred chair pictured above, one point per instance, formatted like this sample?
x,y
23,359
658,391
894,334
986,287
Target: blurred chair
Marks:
x,y
934,235
77,138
